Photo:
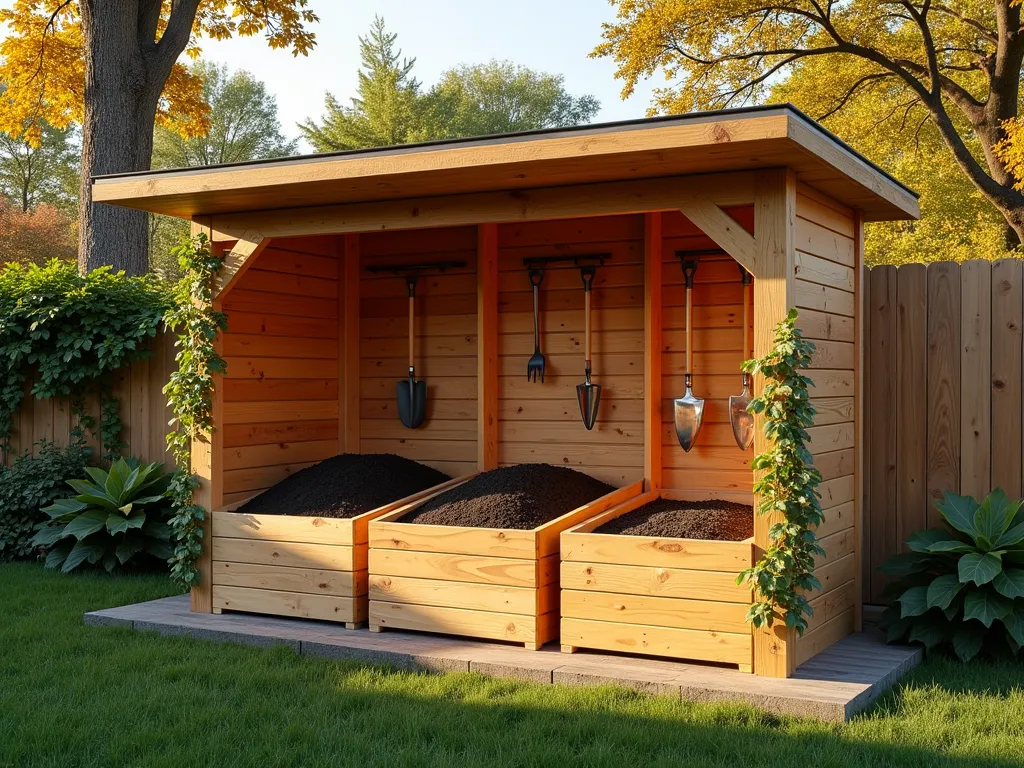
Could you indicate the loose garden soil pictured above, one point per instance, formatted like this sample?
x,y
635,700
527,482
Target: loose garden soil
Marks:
x,y
520,497
665,518
345,486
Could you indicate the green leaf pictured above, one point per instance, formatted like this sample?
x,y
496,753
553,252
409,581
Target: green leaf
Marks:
x,y
986,605
136,519
906,563
950,546
929,630
979,569
64,507
968,639
1014,536
994,516
914,602
1010,583
942,591
159,549
86,523
130,545
48,535
959,512
99,478
79,553
922,541
1014,623
116,524
56,556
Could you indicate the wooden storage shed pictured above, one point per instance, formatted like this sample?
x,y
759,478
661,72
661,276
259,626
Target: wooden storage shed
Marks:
x,y
317,337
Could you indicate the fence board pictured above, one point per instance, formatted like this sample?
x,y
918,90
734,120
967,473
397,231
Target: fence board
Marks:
x,y
912,401
975,378
880,422
943,382
1007,319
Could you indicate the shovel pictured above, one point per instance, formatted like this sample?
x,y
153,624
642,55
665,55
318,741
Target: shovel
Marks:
x,y
412,394
741,419
588,393
689,410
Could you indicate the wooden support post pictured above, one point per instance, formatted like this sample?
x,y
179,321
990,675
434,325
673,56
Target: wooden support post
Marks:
x,y
348,344
208,465
652,351
487,347
774,295
243,254
860,272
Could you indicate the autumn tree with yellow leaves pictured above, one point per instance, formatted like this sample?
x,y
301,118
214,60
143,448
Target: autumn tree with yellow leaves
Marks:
x,y
113,66
948,71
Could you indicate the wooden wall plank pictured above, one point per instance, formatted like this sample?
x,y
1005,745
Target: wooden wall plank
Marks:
x,y
976,378
487,347
943,383
653,321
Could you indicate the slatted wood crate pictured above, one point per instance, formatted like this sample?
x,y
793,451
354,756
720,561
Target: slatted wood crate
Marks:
x,y
488,583
657,596
290,565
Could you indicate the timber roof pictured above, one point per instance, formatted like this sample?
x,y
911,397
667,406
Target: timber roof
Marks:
x,y
702,142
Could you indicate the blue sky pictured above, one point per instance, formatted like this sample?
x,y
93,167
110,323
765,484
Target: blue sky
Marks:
x,y
549,35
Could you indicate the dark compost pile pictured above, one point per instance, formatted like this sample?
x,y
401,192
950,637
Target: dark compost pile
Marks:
x,y
713,520
520,497
345,486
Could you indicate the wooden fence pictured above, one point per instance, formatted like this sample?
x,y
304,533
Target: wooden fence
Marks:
x,y
144,410
943,407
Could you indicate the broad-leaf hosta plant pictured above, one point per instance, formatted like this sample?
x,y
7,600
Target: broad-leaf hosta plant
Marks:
x,y
963,586
115,516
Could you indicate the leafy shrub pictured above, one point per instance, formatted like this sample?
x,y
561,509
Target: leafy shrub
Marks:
x,y
30,483
66,331
961,586
115,516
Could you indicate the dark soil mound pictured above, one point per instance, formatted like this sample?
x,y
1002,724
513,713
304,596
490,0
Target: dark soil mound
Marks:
x,y
713,520
345,486
520,497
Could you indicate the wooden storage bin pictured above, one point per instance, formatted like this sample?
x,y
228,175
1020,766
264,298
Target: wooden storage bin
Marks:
x,y
295,566
486,583
658,596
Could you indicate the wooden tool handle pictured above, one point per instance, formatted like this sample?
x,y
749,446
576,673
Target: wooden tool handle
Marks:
x,y
586,329
412,328
689,331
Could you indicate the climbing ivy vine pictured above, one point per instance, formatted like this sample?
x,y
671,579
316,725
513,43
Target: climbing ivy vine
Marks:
x,y
190,395
66,333
787,485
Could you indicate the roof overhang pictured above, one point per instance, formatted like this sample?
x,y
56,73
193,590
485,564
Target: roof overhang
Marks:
x,y
699,143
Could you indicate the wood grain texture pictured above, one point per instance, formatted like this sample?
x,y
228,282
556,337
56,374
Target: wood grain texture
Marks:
x,y
976,378
487,347
911,400
1007,321
944,394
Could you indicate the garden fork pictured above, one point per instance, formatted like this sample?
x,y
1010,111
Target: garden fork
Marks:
x,y
535,367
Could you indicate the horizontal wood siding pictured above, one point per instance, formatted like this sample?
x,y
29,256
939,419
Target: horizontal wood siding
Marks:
x,y
714,462
445,348
827,300
540,422
281,388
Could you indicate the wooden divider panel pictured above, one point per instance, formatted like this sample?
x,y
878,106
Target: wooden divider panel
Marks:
x,y
541,422
281,387
445,347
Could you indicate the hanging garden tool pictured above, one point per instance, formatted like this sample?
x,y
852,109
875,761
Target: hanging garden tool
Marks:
x,y
588,393
689,410
412,394
740,417
535,367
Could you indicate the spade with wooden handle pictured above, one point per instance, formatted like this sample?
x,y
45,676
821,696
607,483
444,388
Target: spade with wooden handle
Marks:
x,y
688,410
740,417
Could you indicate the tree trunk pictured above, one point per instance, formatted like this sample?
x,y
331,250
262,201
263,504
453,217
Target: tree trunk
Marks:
x,y
117,133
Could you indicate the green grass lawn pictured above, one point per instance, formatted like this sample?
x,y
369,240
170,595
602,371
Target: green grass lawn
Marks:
x,y
72,695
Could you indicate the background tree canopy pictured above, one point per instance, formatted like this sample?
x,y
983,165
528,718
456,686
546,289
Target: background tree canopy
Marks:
x,y
930,91
392,108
